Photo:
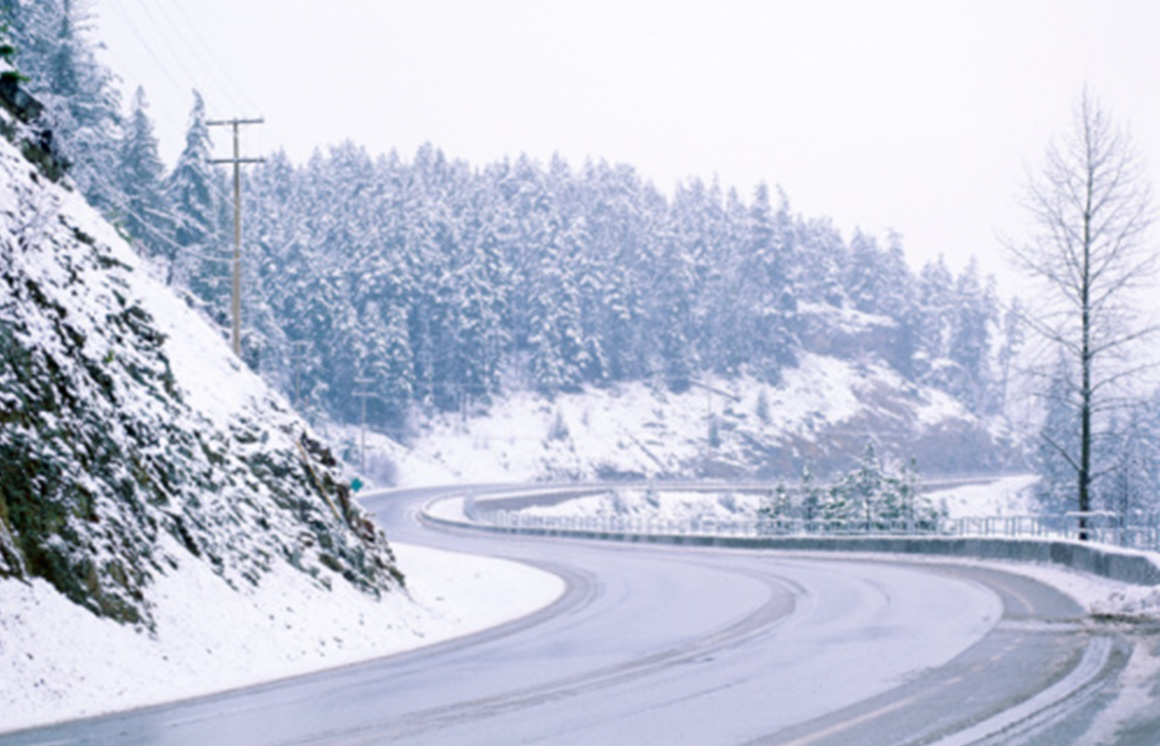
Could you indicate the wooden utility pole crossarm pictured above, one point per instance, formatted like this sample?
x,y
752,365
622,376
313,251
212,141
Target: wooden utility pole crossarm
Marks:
x,y
237,161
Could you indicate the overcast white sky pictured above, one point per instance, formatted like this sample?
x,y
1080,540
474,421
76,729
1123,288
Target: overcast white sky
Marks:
x,y
914,116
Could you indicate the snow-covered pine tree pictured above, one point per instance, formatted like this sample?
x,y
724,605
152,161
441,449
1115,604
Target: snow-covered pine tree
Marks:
x,y
873,497
812,495
146,213
82,103
672,312
1131,450
194,191
481,335
1058,444
821,261
698,221
975,314
395,369
1013,339
854,495
933,319
863,280
558,355
277,263
766,294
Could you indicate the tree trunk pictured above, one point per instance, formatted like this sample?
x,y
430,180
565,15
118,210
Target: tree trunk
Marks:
x,y
1085,464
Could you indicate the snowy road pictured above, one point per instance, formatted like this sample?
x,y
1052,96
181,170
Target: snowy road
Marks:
x,y
682,645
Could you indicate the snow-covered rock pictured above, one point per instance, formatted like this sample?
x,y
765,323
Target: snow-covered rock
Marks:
x,y
125,422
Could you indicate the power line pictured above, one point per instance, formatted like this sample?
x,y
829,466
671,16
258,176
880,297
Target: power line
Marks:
x,y
168,39
208,53
189,52
151,229
145,44
170,114
177,57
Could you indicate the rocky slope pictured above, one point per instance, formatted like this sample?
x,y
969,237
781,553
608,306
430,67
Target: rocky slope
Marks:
x,y
131,441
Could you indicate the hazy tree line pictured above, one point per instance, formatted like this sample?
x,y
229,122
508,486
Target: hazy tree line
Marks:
x,y
440,284
444,284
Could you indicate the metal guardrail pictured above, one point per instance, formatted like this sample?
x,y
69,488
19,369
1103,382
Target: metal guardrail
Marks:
x,y
1099,527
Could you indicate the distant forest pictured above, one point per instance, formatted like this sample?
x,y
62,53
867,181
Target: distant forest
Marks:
x,y
438,284
428,284
444,283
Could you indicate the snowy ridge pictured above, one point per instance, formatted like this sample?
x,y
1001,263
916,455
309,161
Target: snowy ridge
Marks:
x,y
822,413
127,422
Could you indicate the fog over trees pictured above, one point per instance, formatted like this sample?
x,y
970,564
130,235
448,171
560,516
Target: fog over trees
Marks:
x,y
447,284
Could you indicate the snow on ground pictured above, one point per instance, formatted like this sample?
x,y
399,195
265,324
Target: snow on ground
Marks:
x,y
1100,596
647,430
1010,495
197,354
210,638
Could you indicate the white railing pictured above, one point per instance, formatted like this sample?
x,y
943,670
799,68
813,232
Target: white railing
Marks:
x,y
1098,527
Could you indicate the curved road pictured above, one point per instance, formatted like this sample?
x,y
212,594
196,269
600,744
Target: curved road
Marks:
x,y
656,645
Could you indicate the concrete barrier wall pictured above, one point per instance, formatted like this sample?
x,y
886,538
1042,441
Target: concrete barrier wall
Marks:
x,y
1104,561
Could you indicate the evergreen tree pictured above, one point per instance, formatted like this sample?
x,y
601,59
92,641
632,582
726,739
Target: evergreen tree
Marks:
x,y
559,353
854,496
1013,339
871,496
812,495
193,190
776,505
82,103
934,317
864,281
395,372
970,338
1057,442
766,289
1128,448
147,214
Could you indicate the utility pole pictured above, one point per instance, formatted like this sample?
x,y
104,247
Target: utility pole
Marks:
x,y
709,391
363,394
237,160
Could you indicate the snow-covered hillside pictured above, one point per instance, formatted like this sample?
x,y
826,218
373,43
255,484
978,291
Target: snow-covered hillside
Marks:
x,y
168,527
133,444
822,413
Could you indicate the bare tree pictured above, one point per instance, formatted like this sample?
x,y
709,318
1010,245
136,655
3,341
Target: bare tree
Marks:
x,y
1091,206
